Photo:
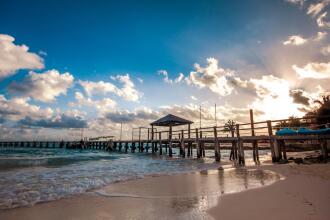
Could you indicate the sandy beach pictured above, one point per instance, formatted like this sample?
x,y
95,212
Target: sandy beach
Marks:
x,y
302,192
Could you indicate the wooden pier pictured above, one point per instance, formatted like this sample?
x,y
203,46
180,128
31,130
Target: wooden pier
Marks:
x,y
192,142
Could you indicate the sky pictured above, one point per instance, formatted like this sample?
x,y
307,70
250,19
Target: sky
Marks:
x,y
68,67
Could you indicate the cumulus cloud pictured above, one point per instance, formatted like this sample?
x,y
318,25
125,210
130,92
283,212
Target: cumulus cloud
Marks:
x,y
295,40
315,9
193,98
102,105
320,36
44,87
273,98
15,57
313,70
126,116
321,22
166,78
325,50
100,87
298,2
299,97
18,108
212,77
59,121
299,40
128,90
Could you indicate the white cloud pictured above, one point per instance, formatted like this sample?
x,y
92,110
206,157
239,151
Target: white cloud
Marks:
x,y
128,90
166,78
298,2
320,36
142,115
295,40
180,78
315,9
321,22
44,86
18,108
15,57
212,77
274,100
193,98
325,50
313,70
298,40
100,87
42,53
101,105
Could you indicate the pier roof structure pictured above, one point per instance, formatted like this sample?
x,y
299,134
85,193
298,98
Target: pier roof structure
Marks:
x,y
171,120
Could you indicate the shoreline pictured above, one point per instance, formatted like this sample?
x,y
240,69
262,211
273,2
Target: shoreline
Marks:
x,y
180,196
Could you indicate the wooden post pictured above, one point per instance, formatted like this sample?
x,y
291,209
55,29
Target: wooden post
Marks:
x,y
133,147
152,140
238,144
197,143
283,150
160,144
170,141
254,143
189,143
271,140
241,158
233,153
327,146
216,145
277,150
324,149
200,143
139,144
183,151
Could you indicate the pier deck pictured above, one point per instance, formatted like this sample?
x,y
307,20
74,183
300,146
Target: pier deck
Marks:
x,y
193,142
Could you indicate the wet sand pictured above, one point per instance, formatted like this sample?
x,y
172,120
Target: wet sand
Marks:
x,y
304,193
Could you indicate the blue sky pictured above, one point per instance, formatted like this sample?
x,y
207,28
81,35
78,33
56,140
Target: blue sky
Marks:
x,y
94,40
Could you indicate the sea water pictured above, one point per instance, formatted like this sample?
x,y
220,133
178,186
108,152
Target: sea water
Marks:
x,y
32,175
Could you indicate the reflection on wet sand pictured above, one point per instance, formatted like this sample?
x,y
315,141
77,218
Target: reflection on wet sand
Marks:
x,y
189,196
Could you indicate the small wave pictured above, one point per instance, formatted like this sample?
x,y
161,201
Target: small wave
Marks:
x,y
58,173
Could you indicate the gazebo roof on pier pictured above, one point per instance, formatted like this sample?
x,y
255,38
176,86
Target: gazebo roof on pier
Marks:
x,y
171,120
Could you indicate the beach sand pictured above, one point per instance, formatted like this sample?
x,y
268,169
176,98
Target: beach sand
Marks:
x,y
303,193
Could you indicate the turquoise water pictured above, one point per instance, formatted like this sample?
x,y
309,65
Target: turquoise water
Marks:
x,y
32,175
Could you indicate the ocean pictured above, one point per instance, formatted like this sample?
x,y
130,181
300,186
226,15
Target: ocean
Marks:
x,y
32,175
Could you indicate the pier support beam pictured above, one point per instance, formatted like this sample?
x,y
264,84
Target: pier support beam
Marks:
x,y
324,149
170,141
189,143
182,145
216,145
255,151
160,144
277,150
197,143
126,147
241,156
271,140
